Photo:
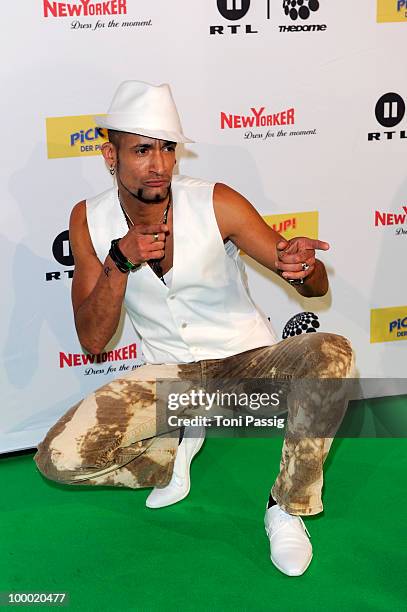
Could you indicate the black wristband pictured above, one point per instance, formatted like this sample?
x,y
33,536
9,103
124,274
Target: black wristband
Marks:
x,y
122,263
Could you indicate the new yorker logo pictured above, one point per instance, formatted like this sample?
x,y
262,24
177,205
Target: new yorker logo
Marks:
x,y
257,118
88,14
390,110
61,250
84,8
300,11
78,359
233,10
392,219
261,118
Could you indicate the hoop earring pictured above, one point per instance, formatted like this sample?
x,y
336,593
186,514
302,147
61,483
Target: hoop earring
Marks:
x,y
112,170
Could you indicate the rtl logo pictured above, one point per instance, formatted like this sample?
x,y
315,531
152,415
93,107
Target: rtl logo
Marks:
x,y
389,112
61,250
233,10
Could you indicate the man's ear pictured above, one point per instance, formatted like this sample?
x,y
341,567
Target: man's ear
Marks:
x,y
109,154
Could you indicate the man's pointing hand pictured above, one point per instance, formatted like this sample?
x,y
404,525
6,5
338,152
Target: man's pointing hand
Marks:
x,y
296,257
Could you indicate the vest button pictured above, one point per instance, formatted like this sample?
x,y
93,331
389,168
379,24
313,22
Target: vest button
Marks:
x,y
172,297
184,324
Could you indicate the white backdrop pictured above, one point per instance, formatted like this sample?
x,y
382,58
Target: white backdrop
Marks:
x,y
332,68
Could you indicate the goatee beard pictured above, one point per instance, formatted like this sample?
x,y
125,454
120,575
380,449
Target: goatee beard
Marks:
x,y
156,199
139,194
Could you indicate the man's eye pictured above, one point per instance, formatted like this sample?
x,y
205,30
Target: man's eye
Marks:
x,y
170,148
142,151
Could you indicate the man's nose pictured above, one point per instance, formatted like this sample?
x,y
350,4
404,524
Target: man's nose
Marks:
x,y
157,162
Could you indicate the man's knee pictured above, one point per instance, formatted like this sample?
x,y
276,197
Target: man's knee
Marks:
x,y
329,355
45,463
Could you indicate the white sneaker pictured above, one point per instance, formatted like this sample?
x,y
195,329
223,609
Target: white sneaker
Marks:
x,y
290,548
180,483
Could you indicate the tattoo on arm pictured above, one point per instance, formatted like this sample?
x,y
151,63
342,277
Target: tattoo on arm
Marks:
x,y
107,270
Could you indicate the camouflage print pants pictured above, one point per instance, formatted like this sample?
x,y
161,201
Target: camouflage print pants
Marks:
x,y
111,437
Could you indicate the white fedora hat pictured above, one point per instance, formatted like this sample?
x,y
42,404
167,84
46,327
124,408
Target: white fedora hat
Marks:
x,y
145,109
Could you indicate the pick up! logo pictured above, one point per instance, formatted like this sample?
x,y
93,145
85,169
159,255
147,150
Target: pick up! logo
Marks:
x,y
295,224
75,136
399,326
388,324
84,136
391,11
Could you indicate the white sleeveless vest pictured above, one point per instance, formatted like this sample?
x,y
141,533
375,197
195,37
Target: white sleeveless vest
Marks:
x,y
207,312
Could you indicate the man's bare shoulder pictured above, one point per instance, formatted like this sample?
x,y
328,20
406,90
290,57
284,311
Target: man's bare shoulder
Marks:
x,y
78,213
224,194
232,210
78,229
78,224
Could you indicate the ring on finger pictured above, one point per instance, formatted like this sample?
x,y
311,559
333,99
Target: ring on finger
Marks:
x,y
305,266
155,237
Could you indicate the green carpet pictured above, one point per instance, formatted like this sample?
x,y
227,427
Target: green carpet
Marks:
x,y
210,552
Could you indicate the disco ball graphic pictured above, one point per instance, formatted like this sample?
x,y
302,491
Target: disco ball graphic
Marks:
x,y
302,323
300,8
